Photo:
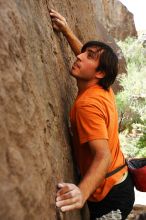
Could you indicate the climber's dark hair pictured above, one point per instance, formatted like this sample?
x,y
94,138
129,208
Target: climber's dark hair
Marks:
x,y
108,62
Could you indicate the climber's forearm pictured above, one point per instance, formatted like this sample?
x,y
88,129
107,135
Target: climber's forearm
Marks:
x,y
73,41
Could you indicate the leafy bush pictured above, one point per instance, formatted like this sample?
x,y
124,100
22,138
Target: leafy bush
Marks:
x,y
131,101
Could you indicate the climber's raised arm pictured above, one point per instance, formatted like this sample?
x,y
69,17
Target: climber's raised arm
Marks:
x,y
60,24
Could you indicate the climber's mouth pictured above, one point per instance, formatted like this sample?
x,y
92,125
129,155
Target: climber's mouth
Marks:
x,y
75,65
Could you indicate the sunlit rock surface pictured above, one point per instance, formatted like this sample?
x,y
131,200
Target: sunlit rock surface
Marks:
x,y
115,17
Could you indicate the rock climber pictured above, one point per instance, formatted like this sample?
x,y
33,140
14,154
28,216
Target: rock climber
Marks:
x,y
105,183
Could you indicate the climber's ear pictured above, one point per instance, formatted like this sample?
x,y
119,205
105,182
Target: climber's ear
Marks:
x,y
100,74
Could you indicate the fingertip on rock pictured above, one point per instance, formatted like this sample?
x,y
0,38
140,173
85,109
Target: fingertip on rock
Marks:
x,y
62,209
60,185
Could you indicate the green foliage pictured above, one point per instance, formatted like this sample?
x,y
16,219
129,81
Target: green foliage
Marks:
x,y
131,101
134,53
142,143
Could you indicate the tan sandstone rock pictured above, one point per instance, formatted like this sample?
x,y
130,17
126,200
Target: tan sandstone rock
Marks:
x,y
115,17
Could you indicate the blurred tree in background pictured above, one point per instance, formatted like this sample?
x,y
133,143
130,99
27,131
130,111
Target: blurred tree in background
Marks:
x,y
131,101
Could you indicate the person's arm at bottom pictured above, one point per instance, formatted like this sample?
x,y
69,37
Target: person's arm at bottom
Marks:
x,y
70,196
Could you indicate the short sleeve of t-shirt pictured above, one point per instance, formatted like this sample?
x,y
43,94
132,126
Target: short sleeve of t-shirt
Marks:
x,y
91,123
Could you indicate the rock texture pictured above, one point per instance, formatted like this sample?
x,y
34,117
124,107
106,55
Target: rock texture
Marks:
x,y
36,93
116,18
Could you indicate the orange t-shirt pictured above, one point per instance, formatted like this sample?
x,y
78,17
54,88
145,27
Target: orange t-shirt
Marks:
x,y
94,116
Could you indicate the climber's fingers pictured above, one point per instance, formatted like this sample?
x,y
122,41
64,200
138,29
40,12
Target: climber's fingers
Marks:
x,y
56,14
58,21
64,188
69,197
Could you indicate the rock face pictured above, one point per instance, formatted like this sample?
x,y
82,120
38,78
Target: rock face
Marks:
x,y
36,93
116,18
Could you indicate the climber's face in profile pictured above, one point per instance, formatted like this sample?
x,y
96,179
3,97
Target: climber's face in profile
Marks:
x,y
85,66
